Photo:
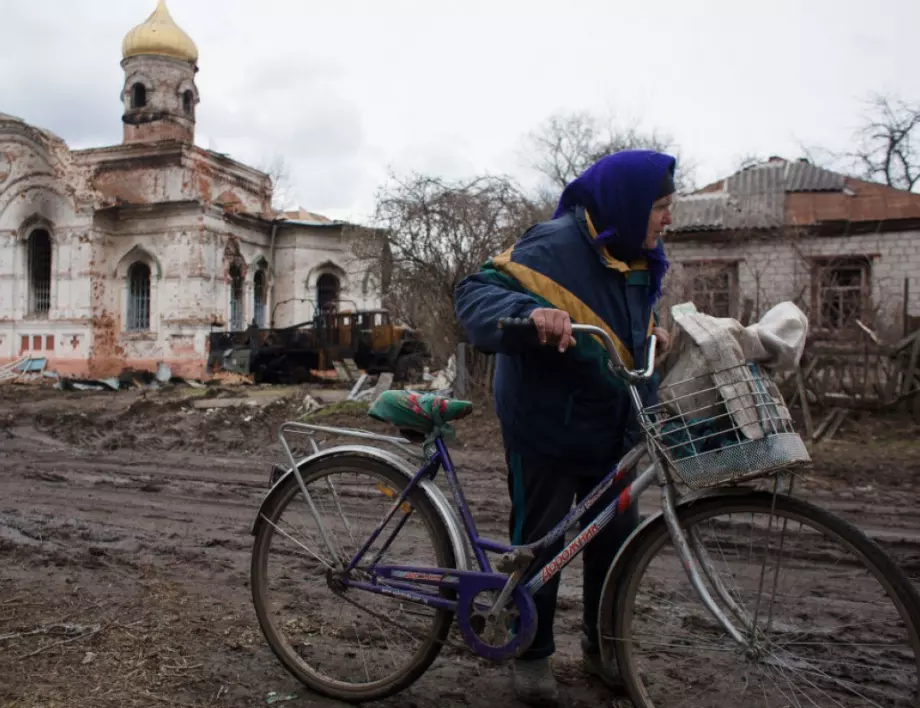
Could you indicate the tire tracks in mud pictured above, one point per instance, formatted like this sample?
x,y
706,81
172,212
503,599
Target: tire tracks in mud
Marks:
x,y
161,511
112,515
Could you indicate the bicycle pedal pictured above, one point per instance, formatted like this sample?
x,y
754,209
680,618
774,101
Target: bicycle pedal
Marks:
x,y
517,560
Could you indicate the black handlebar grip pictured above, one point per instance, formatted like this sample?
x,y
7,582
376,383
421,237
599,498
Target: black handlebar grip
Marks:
x,y
507,322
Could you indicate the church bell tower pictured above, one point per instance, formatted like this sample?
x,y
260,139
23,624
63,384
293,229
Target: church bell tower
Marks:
x,y
159,94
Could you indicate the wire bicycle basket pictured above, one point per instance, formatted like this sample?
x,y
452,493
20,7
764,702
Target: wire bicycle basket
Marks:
x,y
724,427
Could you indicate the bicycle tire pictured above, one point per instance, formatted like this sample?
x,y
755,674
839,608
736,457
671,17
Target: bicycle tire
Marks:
x,y
621,584
428,651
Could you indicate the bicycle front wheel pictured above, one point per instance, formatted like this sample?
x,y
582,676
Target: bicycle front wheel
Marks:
x,y
829,619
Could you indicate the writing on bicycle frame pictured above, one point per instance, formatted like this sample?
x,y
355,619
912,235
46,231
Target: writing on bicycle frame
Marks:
x,y
569,552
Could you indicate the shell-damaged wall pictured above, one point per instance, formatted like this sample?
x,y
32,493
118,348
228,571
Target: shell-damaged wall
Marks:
x,y
170,172
42,189
189,251
189,217
172,206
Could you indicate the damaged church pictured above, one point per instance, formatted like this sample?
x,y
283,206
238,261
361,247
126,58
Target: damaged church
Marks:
x,y
130,255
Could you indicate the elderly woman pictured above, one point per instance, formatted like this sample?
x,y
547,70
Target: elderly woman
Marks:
x,y
566,420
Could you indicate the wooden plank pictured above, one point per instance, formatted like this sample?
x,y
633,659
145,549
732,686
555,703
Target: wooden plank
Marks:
x,y
806,410
835,426
340,371
905,315
356,389
825,424
461,387
384,381
747,311
854,402
353,371
892,371
912,365
7,368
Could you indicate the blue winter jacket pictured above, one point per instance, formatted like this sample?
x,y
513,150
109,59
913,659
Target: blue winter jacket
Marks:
x,y
570,406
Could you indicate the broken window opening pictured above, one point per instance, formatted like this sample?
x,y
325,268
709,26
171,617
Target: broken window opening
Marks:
x,y
188,101
258,298
138,319
840,292
138,95
327,292
713,287
237,323
39,273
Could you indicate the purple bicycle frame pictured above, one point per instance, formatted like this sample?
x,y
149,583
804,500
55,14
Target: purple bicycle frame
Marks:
x,y
404,581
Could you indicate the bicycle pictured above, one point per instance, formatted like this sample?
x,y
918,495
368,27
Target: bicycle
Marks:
x,y
494,606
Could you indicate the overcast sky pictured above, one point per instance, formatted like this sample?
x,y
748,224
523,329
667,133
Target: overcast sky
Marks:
x,y
349,90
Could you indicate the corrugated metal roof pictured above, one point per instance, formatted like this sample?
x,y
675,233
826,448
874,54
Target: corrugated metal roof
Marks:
x,y
759,179
753,198
805,177
715,212
701,212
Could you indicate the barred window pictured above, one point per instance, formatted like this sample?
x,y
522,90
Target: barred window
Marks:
x,y
39,273
237,323
259,297
138,297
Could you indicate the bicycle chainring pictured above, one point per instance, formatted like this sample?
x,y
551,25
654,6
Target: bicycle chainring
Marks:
x,y
504,635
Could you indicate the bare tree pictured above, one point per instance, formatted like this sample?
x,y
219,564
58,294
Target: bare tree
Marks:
x,y
277,169
565,145
432,233
890,143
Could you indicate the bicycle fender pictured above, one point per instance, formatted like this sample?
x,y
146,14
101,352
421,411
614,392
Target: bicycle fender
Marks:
x,y
397,464
621,560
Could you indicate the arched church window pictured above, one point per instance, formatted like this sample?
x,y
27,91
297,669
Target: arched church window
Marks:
x,y
188,101
39,247
236,300
327,292
138,95
259,299
138,297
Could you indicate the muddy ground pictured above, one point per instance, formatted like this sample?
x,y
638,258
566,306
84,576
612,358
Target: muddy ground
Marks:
x,y
125,541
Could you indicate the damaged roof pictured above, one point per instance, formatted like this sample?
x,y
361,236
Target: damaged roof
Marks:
x,y
779,193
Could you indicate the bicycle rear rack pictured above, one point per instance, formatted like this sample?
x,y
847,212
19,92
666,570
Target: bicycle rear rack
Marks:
x,y
311,430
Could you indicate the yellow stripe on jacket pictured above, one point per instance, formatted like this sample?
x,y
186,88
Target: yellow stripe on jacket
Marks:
x,y
559,297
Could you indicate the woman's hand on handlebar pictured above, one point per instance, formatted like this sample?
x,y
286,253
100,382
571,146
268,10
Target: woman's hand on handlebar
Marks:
x,y
553,327
664,340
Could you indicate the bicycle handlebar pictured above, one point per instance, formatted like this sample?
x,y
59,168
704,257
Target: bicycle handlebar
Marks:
x,y
633,376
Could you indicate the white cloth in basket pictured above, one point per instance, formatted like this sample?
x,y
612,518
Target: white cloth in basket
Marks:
x,y
719,346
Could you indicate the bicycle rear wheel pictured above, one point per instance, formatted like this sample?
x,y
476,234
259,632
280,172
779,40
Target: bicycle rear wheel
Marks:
x,y
352,645
780,562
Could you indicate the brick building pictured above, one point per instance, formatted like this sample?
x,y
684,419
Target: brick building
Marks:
x,y
842,248
132,254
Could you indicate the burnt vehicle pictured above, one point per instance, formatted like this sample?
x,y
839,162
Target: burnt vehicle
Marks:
x,y
290,354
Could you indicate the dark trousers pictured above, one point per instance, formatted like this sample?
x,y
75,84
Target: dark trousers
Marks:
x,y
542,493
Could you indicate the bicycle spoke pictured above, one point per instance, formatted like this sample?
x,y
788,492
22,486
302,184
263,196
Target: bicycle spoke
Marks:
x,y
337,634
818,641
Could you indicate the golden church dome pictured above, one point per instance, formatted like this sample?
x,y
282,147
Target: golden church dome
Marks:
x,y
159,34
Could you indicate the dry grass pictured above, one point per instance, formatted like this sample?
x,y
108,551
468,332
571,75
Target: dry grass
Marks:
x,y
143,648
